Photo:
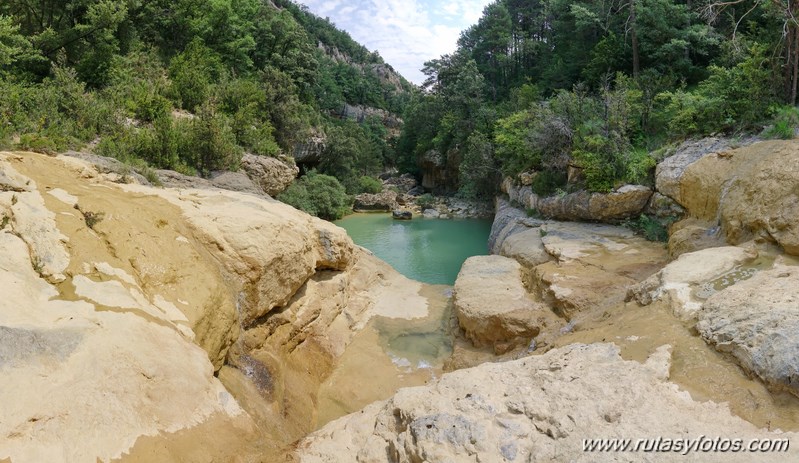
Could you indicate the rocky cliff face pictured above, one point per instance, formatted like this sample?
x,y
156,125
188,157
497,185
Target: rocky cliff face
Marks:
x,y
167,323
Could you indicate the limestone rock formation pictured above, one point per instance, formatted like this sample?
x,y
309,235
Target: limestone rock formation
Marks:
x,y
669,172
91,365
757,321
536,409
526,247
122,303
233,181
622,203
273,175
594,265
678,282
385,201
310,150
575,266
508,220
761,199
403,183
492,305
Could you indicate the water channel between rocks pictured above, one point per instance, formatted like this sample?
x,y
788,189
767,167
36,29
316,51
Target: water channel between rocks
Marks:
x,y
412,351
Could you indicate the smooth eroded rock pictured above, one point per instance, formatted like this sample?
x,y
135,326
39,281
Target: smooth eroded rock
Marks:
x,y
385,201
492,304
272,175
537,409
757,322
676,283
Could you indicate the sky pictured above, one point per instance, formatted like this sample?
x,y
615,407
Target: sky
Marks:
x,y
406,33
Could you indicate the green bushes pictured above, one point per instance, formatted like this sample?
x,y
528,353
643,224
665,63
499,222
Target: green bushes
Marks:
x,y
784,124
368,184
318,194
204,143
650,227
426,201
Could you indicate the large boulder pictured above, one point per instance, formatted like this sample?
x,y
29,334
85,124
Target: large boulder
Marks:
x,y
493,306
624,202
309,151
761,198
385,201
271,174
526,247
669,172
538,409
757,322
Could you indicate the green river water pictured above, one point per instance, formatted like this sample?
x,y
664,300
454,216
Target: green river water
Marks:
x,y
427,250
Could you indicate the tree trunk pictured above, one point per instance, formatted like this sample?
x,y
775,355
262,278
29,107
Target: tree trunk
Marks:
x,y
636,59
795,57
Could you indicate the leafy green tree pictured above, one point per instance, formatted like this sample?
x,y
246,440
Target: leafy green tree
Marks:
x,y
319,195
193,72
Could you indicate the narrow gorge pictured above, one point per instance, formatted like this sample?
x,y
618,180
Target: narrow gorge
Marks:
x,y
186,324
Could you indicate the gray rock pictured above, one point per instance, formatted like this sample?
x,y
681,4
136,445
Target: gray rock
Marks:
x,y
507,220
384,201
757,322
18,345
431,214
310,151
272,175
402,215
235,181
622,203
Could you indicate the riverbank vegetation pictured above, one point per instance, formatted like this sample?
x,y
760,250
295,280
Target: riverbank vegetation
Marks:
x,y
192,85
548,85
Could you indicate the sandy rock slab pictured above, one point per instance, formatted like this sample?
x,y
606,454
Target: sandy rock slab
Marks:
x,y
757,322
594,266
536,409
492,305
678,282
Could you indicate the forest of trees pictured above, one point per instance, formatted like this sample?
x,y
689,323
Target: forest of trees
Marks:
x,y
190,85
539,85
534,86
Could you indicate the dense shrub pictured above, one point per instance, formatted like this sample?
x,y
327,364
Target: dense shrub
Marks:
x,y
426,201
368,184
318,194
784,123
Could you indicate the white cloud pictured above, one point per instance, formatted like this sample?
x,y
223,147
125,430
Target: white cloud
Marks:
x,y
406,33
